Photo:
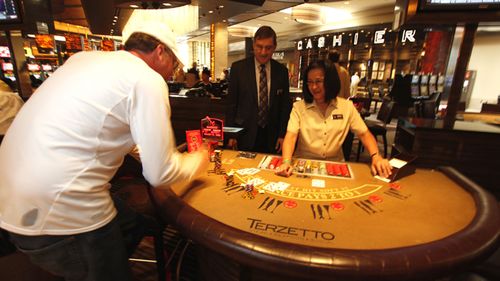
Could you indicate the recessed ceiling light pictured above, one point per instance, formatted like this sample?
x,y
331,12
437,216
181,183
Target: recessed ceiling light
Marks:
x,y
221,6
134,6
210,12
167,4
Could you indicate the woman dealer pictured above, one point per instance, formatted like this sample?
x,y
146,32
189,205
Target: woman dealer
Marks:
x,y
320,123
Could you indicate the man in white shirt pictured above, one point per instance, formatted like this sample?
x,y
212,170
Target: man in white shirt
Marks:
x,y
68,141
354,83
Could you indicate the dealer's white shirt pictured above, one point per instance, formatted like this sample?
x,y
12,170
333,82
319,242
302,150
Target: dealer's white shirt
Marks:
x,y
71,136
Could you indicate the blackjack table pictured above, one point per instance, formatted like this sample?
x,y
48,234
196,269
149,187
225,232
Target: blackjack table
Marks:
x,y
330,221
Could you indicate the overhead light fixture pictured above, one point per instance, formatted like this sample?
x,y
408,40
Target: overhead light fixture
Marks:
x,y
333,15
308,14
241,31
181,20
151,4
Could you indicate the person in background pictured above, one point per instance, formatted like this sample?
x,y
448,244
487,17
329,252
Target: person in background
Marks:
x,y
320,122
192,77
10,104
205,81
194,70
224,77
259,90
354,83
345,80
68,141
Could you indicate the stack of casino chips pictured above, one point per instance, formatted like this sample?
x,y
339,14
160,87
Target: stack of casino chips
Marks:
x,y
218,162
340,170
250,191
230,179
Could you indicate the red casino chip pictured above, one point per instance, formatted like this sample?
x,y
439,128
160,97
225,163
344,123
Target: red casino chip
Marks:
x,y
337,206
290,204
395,186
375,199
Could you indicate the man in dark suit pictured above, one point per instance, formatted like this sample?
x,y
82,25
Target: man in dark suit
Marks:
x,y
259,90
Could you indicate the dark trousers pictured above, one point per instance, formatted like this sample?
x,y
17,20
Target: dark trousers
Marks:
x,y
100,254
262,142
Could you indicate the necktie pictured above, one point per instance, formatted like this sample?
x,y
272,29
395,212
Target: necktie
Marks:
x,y
263,100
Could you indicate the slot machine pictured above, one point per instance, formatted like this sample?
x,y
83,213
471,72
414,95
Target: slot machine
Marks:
x,y
34,70
8,71
47,69
440,83
415,90
424,85
433,84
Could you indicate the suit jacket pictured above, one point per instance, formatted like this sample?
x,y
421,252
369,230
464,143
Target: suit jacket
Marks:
x,y
243,95
401,90
345,81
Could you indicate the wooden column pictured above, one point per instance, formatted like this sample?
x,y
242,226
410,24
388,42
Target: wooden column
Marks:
x,y
459,74
21,73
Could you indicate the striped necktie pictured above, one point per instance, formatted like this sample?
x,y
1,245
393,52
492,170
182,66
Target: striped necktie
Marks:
x,y
263,100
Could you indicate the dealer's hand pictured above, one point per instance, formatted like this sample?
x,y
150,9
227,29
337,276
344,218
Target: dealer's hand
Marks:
x,y
284,170
381,166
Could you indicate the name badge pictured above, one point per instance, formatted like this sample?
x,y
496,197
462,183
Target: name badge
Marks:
x,y
337,116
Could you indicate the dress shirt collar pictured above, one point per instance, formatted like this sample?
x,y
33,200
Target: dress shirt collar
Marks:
x,y
333,103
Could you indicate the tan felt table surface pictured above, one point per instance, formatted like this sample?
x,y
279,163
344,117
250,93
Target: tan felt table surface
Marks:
x,y
424,225
427,207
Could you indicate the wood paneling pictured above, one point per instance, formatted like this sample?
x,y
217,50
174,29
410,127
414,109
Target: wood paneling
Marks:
x,y
470,147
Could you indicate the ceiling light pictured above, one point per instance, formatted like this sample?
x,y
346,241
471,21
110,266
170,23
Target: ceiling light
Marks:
x,y
308,14
241,31
210,11
336,15
151,4
181,20
286,11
